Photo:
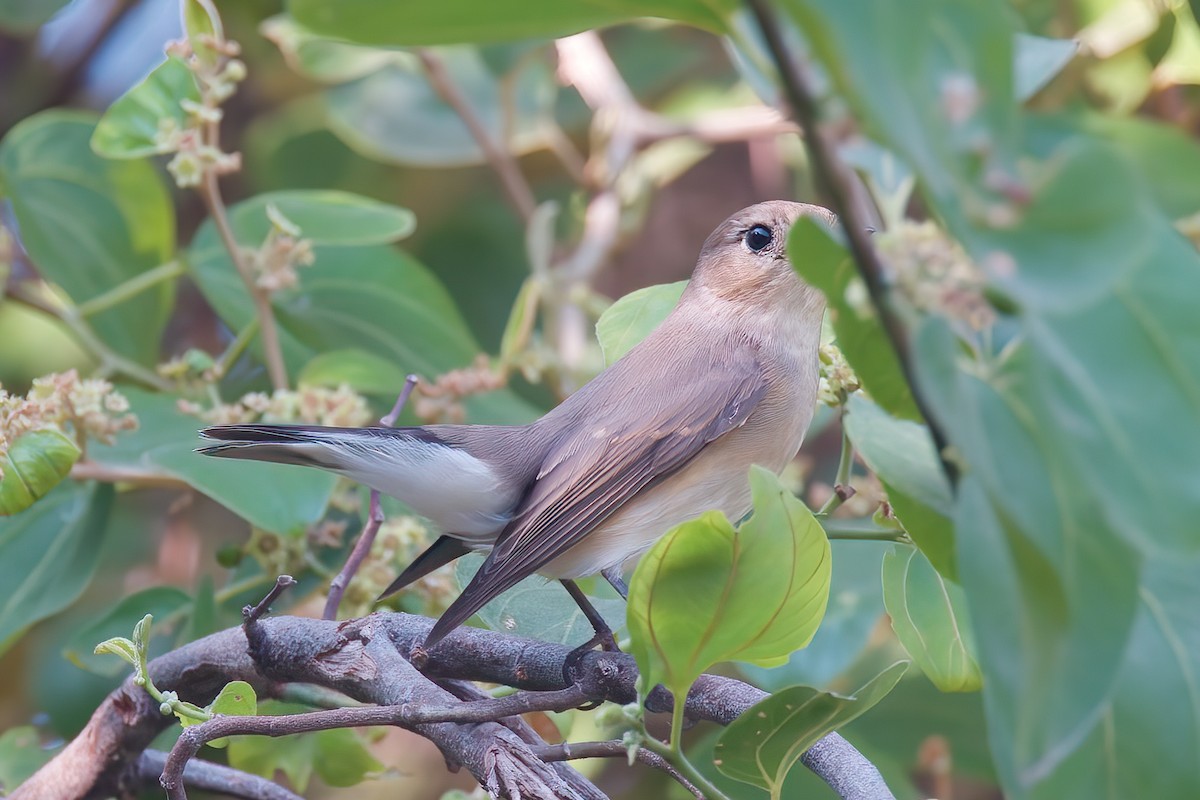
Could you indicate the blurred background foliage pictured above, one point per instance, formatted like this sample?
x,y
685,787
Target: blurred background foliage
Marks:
x,y
1055,142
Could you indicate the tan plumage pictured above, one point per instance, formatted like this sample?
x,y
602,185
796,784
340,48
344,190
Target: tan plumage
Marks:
x,y
669,431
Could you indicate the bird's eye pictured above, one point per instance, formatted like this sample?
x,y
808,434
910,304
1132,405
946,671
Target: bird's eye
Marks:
x,y
758,238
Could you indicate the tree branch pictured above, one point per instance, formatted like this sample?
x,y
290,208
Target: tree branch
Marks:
x,y
837,182
365,660
212,778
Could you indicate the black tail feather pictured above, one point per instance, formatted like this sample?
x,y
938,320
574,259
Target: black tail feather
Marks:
x,y
440,553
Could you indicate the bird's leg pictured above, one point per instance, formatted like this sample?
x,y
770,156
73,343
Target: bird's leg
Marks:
x,y
603,633
616,579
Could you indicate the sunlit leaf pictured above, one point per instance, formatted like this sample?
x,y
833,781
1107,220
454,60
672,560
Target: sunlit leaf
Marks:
x,y
762,745
236,699
929,617
137,123
323,58
630,319
708,592
34,463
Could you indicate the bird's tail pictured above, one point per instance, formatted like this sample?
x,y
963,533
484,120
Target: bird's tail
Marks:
x,y
337,449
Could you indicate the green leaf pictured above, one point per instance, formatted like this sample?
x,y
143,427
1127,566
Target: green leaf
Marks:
x,y
424,22
120,647
761,746
364,372
323,216
1036,60
903,455
338,755
929,617
395,115
708,593
540,609
855,608
132,126
48,554
90,224
374,299
824,263
35,463
236,699
630,319
22,754
325,59
159,601
273,497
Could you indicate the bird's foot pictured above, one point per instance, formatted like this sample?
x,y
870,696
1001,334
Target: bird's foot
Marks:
x,y
570,669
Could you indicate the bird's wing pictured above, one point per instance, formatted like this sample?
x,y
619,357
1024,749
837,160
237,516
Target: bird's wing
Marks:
x,y
595,469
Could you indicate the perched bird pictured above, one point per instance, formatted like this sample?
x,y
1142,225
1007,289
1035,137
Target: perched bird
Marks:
x,y
669,431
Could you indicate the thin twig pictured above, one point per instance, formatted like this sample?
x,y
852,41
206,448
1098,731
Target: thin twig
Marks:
x,y
836,181
842,490
251,614
404,716
612,749
210,191
516,188
337,587
93,471
131,288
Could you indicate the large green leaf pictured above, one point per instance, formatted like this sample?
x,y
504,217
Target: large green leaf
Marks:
x,y
824,263
132,126
929,617
422,22
48,554
762,745
902,454
708,592
323,58
540,609
273,497
90,224
394,114
370,298
630,319
1070,484
33,465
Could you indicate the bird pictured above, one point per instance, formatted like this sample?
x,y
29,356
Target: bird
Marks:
x,y
669,431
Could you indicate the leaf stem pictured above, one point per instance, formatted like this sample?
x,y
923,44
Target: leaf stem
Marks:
x,y
863,530
673,755
235,348
131,288
842,479
110,360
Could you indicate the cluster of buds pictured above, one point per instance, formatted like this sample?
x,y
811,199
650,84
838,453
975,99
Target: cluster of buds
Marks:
x,y
935,274
441,400
217,74
317,405
194,369
838,379
276,554
274,264
399,540
90,407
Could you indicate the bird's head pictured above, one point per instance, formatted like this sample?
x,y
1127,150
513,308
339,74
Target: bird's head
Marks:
x,y
745,259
